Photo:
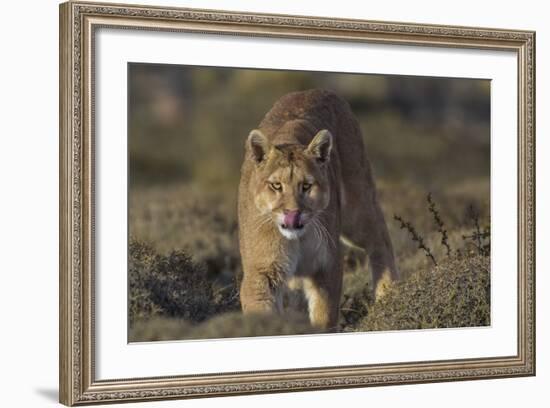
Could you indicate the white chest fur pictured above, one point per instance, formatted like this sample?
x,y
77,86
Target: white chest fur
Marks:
x,y
308,255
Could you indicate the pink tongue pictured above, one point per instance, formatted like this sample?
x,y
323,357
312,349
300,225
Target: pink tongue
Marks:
x,y
292,219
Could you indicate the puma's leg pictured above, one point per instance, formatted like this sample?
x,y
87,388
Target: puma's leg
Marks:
x,y
366,228
260,293
323,302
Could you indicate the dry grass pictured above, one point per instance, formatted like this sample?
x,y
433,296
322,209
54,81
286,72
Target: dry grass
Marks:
x,y
231,324
184,281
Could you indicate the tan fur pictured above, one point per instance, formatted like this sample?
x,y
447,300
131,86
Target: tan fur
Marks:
x,y
309,145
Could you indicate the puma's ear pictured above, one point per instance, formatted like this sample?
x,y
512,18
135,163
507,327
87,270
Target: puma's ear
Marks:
x,y
258,145
321,145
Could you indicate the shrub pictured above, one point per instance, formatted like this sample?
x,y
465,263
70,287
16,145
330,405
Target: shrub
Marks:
x,y
444,288
455,293
172,286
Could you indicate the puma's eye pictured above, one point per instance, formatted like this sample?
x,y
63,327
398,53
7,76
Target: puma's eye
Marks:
x,y
276,186
306,186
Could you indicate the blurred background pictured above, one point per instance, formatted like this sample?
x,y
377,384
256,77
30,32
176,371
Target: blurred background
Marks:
x,y
188,125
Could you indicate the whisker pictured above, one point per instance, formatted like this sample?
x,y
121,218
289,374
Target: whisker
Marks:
x,y
321,237
330,236
262,221
318,236
326,234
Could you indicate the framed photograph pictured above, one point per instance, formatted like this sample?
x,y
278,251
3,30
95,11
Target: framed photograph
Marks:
x,y
256,203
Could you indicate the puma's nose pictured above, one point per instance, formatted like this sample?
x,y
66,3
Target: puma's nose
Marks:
x,y
292,219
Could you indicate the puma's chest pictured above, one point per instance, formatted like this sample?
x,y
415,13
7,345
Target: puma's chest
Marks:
x,y
308,256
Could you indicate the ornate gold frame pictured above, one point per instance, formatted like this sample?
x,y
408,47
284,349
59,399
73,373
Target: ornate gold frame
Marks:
x,y
78,21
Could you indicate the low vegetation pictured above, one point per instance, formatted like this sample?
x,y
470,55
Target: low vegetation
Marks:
x,y
173,285
446,281
455,293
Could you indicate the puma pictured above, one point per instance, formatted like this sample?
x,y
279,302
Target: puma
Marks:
x,y
306,184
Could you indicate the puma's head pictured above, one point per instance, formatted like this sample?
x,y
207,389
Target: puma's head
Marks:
x,y
290,182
